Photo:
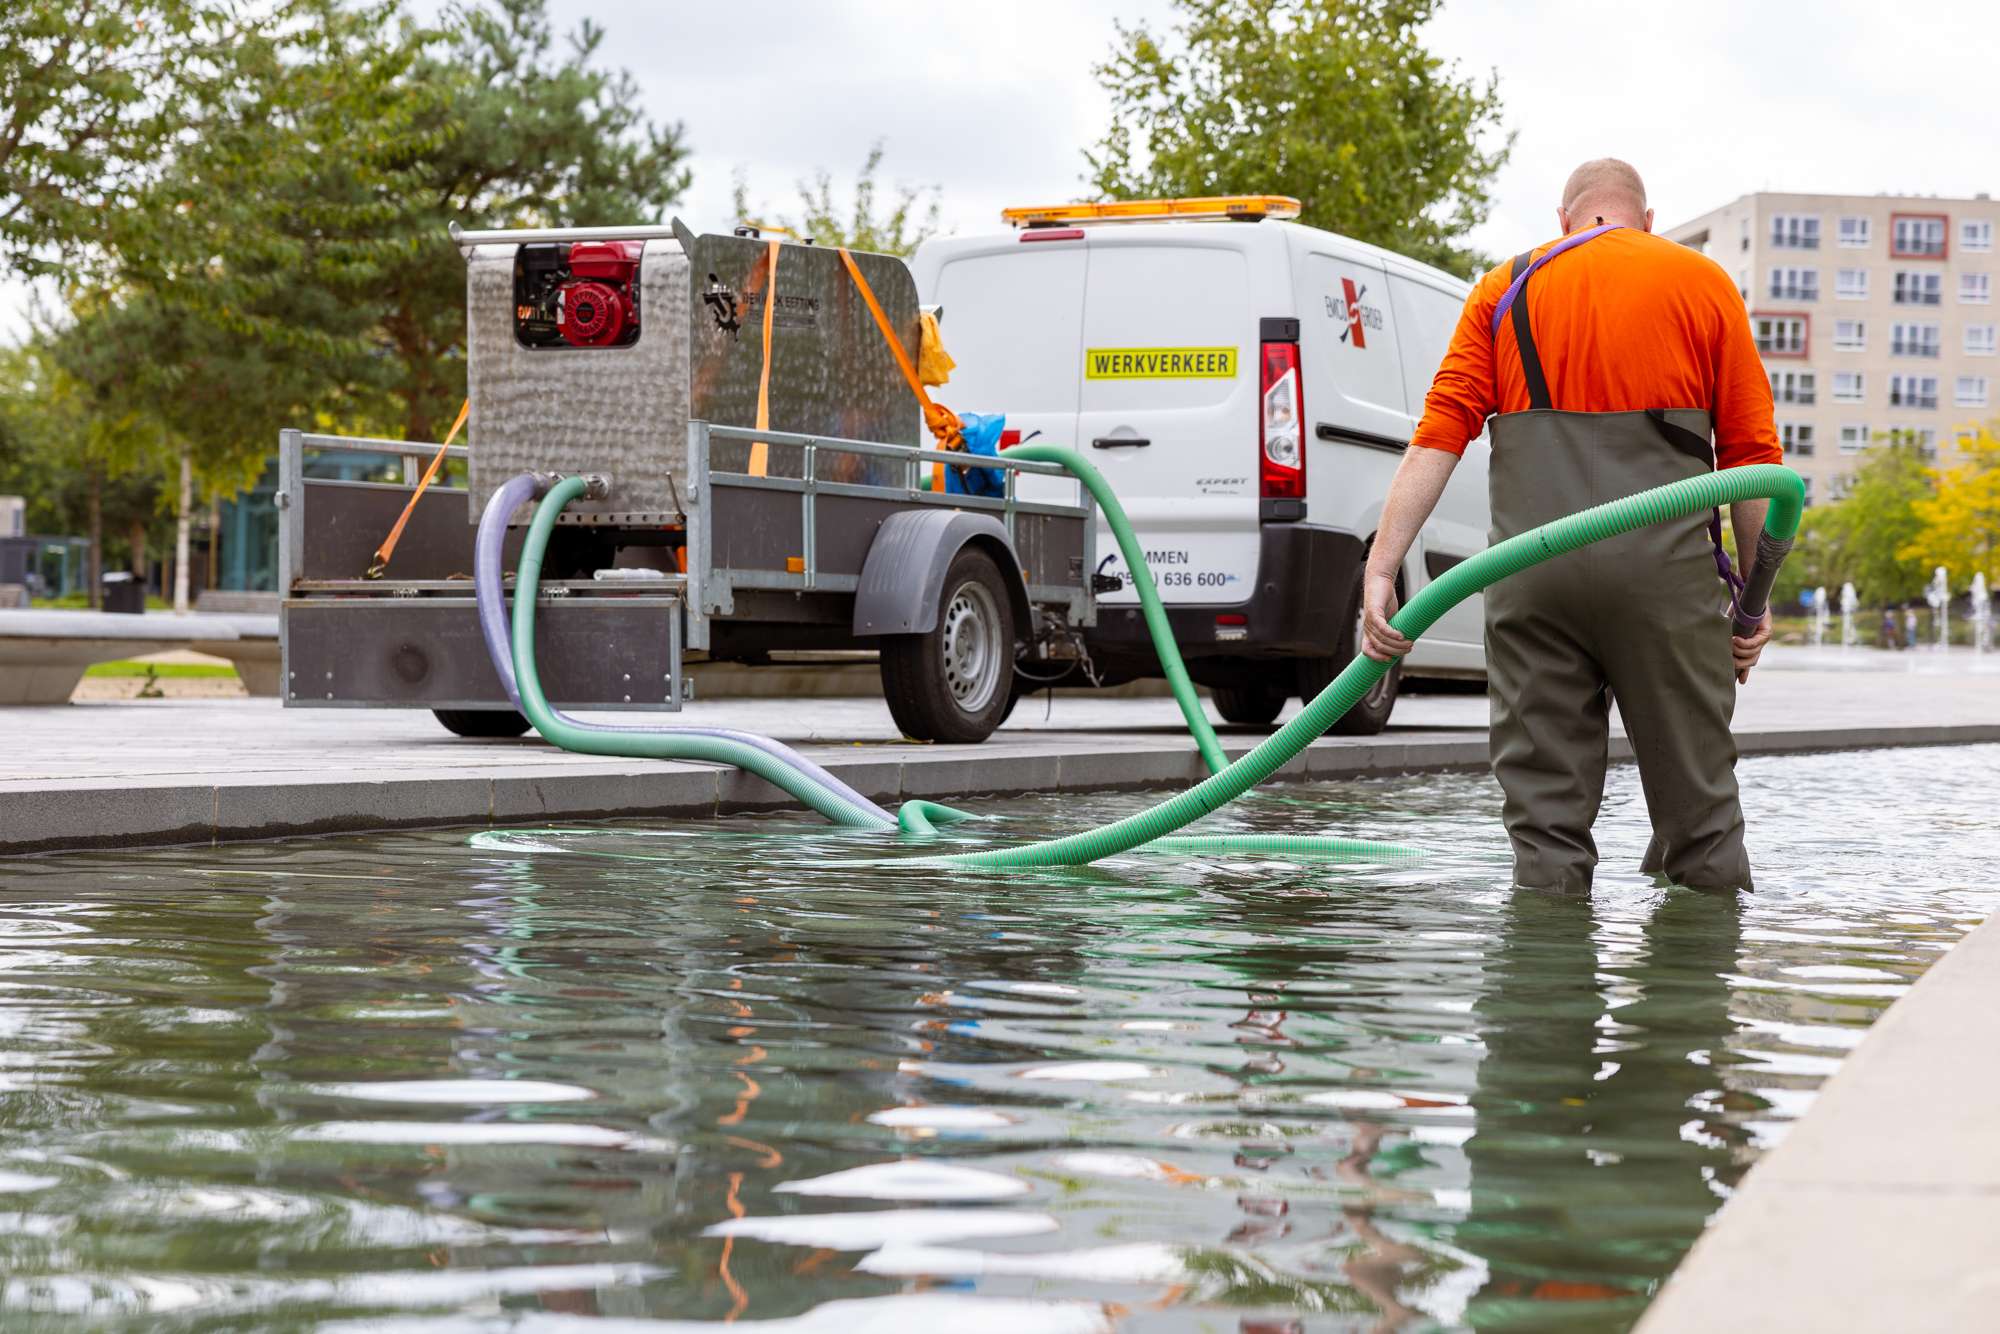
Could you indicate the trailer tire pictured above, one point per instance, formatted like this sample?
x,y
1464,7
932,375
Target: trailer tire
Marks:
x,y
1248,706
956,682
482,722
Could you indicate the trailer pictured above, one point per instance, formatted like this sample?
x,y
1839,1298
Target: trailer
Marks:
x,y
759,492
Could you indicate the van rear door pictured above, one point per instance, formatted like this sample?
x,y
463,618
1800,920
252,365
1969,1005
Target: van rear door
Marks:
x,y
1168,408
1013,321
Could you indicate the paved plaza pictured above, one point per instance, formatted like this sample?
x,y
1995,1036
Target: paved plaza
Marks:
x,y
192,770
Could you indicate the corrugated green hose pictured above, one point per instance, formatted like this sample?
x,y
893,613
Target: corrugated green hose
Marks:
x,y
1153,827
643,745
1770,481
1149,593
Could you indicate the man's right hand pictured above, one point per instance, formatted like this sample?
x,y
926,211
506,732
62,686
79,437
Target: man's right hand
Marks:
x,y
1379,639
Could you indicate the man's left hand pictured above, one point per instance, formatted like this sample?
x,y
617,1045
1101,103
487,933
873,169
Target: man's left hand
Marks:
x,y
1747,650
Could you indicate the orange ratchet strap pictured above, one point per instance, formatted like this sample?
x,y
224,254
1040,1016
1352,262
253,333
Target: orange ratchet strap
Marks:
x,y
388,547
760,450
942,421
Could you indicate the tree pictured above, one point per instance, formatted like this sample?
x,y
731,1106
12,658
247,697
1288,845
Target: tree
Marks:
x,y
90,92
1960,523
1862,538
1333,101
911,217
522,134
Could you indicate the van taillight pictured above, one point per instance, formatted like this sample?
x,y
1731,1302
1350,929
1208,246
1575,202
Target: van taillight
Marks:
x,y
1281,434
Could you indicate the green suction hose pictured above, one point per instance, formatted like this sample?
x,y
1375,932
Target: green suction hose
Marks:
x,y
644,745
1149,593
1770,481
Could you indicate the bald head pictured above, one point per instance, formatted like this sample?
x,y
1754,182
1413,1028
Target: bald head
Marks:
x,y
1604,190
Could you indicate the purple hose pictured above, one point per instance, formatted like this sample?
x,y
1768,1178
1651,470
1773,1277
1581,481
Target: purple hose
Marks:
x,y
490,594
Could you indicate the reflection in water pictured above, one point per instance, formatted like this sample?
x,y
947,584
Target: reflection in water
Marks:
x,y
1595,1109
704,1074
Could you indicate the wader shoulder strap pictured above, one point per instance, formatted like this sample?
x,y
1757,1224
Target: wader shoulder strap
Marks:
x,y
1515,301
1524,335
1699,448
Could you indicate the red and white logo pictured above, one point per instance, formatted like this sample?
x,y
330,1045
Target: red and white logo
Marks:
x,y
1357,314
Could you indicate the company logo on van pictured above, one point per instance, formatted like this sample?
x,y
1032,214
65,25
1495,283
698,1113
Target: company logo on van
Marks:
x,y
1159,363
1357,314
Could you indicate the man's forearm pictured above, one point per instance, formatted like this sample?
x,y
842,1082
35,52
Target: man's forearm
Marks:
x,y
1412,496
1746,520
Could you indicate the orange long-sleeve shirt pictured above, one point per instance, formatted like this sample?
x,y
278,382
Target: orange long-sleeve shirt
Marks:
x,y
1623,322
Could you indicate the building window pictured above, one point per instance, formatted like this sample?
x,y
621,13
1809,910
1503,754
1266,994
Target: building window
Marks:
x,y
1975,235
1970,392
1792,387
1848,388
1780,335
1854,233
1853,438
1975,289
1795,231
1918,289
1851,284
1913,391
1850,335
1744,242
1839,485
1916,236
1807,490
1797,438
1980,340
1913,339
1795,284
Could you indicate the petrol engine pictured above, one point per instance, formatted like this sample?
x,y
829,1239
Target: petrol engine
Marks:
x,y
583,294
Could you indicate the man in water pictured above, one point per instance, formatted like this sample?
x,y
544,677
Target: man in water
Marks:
x,y
1610,361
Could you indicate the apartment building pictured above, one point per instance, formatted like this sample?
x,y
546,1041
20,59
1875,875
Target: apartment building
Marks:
x,y
1875,315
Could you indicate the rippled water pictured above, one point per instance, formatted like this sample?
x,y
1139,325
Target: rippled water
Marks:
x,y
720,1072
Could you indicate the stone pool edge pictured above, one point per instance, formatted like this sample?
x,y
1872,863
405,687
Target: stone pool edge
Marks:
x,y
84,813
1880,1208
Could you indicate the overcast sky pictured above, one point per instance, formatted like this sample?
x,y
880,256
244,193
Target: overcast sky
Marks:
x,y
995,103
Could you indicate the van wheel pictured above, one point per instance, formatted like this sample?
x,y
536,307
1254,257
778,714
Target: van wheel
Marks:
x,y
955,683
481,722
1369,716
1250,706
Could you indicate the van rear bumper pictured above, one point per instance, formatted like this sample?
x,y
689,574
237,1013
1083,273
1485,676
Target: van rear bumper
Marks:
x,y
1307,579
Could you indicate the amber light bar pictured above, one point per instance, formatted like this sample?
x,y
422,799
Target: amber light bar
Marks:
x,y
1243,208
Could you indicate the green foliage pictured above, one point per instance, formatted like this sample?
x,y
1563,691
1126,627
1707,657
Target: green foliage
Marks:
x,y
912,214
91,91
1336,102
1862,538
1959,525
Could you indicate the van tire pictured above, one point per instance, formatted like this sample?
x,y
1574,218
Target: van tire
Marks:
x,y
1371,715
482,722
955,683
1248,706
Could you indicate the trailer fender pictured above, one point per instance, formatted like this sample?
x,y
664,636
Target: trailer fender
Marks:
x,y
903,575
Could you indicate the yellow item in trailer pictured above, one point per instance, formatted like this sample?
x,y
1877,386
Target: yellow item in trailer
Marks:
x,y
934,364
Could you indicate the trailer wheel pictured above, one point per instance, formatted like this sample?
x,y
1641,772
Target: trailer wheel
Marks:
x,y
955,683
481,722
1248,706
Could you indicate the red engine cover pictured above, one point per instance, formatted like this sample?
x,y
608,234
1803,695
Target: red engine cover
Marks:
x,y
597,302
593,314
615,260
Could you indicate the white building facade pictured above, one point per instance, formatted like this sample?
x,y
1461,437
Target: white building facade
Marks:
x,y
1875,315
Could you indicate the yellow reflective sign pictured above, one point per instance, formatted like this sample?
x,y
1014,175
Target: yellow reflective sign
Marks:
x,y
1159,363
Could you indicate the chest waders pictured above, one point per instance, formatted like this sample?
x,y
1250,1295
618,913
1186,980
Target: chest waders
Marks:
x,y
1634,617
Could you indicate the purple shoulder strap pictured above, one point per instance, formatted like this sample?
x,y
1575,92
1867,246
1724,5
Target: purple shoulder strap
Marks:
x,y
1569,242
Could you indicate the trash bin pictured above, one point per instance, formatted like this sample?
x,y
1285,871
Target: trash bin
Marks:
x,y
123,592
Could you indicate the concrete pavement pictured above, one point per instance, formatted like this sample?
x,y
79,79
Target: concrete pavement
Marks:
x,y
175,771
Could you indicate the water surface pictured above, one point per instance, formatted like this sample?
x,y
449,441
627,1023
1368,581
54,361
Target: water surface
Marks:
x,y
722,1072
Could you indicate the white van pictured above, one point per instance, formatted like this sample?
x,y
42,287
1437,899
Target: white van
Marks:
x,y
1247,385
